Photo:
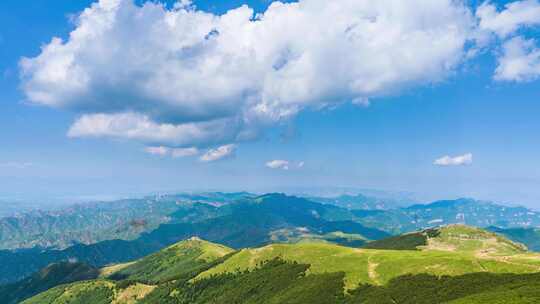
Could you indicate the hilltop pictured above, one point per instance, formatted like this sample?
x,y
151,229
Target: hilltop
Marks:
x,y
174,262
529,236
180,260
456,263
456,237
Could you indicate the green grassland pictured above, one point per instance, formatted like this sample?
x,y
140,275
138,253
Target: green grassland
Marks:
x,y
50,276
453,264
454,250
173,262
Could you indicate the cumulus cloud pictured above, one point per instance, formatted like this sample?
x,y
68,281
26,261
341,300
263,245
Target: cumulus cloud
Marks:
x,y
186,78
460,160
218,153
519,61
519,58
514,16
142,128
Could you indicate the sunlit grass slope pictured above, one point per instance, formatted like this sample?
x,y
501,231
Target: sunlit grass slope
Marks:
x,y
453,250
454,264
173,262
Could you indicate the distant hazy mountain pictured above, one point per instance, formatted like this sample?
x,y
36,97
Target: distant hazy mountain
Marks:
x,y
85,223
460,211
246,222
94,222
362,202
100,234
527,236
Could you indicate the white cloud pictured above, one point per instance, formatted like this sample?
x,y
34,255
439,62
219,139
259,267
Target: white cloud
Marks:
x,y
514,16
218,153
161,151
519,61
140,127
283,164
460,160
174,152
519,58
278,164
184,152
187,78
16,165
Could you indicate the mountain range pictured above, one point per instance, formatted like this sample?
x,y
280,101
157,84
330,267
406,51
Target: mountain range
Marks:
x,y
451,264
244,220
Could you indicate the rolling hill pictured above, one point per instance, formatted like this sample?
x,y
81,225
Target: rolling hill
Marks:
x,y
528,236
50,276
457,264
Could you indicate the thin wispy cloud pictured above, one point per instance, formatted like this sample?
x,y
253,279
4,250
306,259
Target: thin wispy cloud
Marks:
x,y
283,164
173,152
16,165
460,160
161,151
278,164
222,152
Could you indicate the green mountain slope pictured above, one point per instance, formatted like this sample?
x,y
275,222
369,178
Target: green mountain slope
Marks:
x,y
528,236
376,267
459,238
52,275
174,262
458,263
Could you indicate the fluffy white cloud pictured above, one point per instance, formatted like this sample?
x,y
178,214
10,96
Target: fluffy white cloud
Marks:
x,y
218,153
519,58
460,160
142,128
278,164
519,61
183,77
514,16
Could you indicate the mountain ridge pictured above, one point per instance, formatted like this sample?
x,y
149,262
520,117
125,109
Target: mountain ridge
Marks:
x,y
295,273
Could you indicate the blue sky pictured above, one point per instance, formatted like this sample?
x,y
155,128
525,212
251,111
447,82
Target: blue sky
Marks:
x,y
392,144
